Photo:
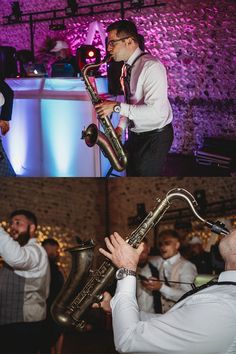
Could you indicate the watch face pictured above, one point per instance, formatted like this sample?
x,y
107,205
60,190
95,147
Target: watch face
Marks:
x,y
116,108
120,274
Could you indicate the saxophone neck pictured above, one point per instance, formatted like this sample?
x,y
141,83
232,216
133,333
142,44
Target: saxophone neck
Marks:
x,y
160,209
180,193
88,67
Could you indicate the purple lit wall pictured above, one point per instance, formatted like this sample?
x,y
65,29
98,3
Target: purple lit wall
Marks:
x,y
194,39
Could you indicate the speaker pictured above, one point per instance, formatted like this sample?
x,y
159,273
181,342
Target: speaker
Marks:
x,y
8,62
88,54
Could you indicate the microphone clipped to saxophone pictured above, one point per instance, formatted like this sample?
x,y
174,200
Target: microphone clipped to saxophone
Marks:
x,y
108,141
84,287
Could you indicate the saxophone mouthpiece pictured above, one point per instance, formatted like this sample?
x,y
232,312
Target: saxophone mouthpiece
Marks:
x,y
107,58
219,228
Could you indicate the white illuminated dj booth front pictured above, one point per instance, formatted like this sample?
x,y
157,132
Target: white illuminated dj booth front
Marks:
x,y
49,115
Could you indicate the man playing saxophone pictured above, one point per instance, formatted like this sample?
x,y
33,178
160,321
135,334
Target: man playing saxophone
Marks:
x,y
203,322
147,112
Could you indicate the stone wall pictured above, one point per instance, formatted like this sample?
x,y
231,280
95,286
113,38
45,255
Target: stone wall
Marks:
x,y
194,39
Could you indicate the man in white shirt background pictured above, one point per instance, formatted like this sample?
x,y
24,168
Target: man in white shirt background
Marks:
x,y
176,274
24,285
148,300
147,111
203,323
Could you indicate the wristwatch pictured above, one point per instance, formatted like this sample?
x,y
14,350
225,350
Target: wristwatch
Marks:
x,y
121,273
116,108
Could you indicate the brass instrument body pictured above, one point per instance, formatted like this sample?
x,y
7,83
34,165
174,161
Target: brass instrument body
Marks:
x,y
100,279
79,273
108,141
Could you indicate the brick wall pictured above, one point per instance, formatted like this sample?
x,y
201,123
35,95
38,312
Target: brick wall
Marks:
x,y
95,207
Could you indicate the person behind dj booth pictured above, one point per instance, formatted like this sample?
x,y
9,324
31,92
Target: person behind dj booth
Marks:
x,y
63,55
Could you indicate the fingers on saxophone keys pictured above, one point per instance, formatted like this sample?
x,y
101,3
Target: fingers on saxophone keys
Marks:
x,y
118,238
105,253
114,239
109,244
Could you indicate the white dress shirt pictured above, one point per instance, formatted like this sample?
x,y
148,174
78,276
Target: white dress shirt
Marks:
x,y
145,296
204,323
187,273
24,286
150,108
30,261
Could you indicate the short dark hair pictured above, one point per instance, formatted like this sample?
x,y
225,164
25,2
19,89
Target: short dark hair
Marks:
x,y
125,27
50,242
169,232
28,214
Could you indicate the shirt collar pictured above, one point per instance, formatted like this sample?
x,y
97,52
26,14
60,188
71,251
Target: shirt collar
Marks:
x,y
135,54
32,240
172,260
228,275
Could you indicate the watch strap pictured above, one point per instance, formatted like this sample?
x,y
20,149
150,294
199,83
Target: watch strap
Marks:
x,y
130,272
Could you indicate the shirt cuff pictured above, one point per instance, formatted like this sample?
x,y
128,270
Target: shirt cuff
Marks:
x,y
124,109
127,285
164,290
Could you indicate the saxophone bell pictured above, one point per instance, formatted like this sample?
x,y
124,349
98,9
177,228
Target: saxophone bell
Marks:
x,y
92,135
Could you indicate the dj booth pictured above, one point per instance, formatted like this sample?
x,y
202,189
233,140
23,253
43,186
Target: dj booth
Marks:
x,y
49,115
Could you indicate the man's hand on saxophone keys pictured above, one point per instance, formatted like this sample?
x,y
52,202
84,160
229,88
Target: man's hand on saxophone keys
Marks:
x,y
105,108
104,304
121,253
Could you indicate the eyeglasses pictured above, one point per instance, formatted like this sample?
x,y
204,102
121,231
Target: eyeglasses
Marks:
x,y
113,42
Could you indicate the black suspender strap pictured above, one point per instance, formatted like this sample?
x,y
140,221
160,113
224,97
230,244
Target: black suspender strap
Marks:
x,y
204,286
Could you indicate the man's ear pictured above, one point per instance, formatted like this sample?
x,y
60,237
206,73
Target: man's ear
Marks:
x,y
177,245
32,229
129,41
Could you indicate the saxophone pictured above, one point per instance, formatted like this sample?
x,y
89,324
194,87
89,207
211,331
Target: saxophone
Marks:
x,y
108,141
84,287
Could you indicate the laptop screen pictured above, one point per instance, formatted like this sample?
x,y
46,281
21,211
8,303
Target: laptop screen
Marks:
x,y
62,70
35,70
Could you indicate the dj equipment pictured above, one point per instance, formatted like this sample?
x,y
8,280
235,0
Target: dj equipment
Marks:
x,y
217,152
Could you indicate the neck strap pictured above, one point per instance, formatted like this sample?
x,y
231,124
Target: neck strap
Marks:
x,y
139,56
